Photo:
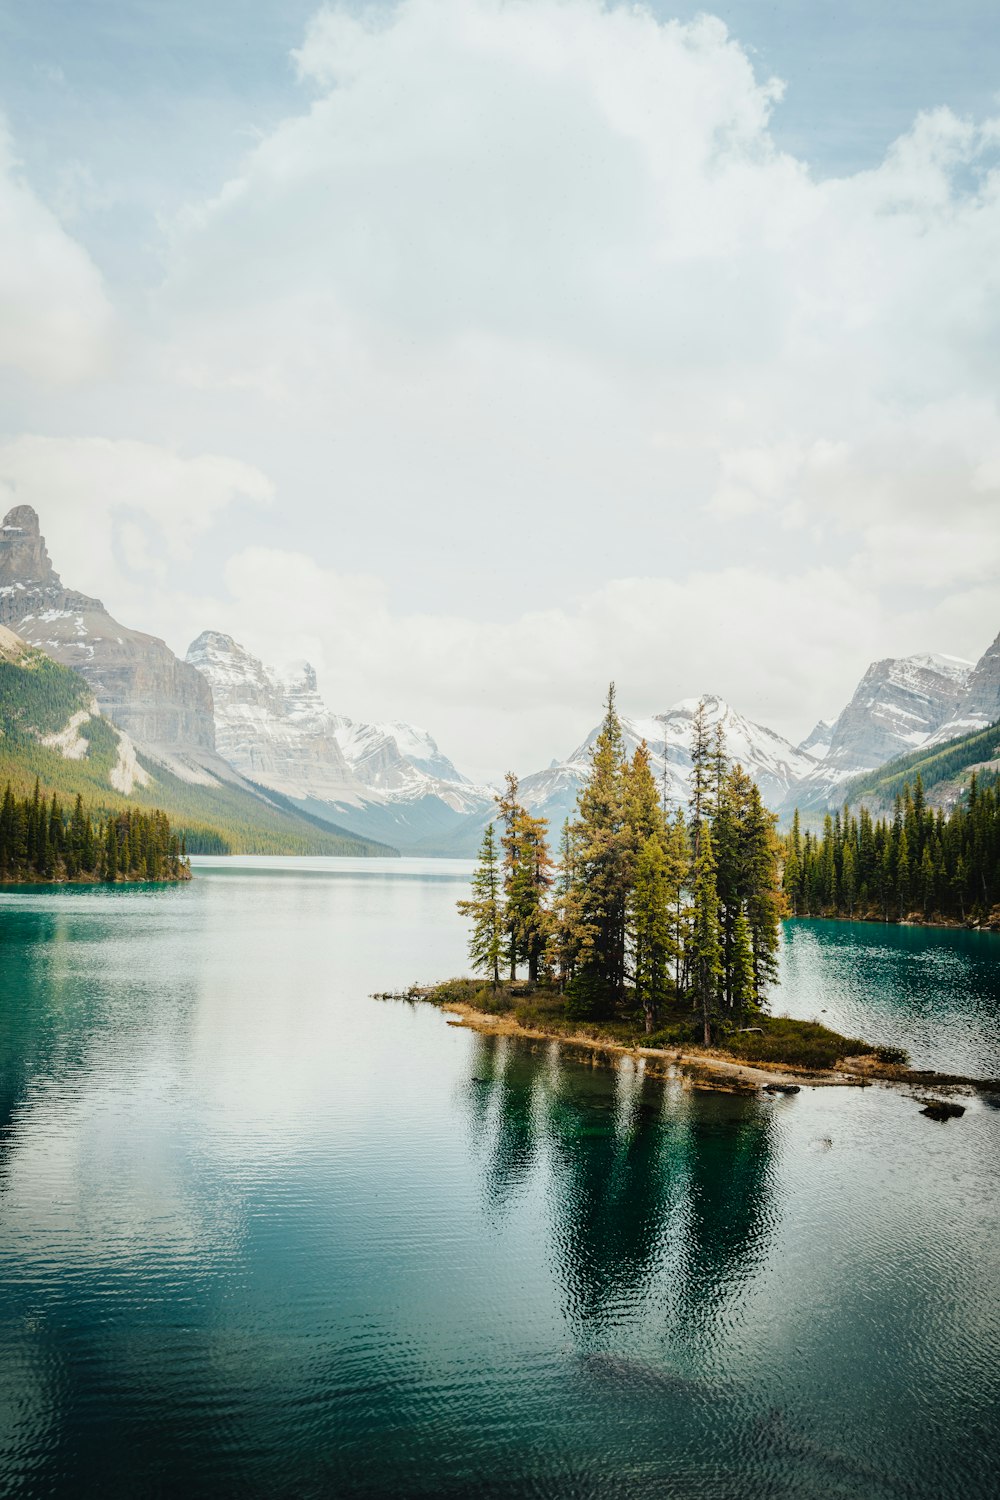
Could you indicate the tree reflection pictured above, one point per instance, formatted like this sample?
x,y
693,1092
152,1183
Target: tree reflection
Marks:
x,y
660,1198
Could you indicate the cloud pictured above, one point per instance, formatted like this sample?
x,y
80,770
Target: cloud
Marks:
x,y
544,254
55,319
520,690
563,370
124,519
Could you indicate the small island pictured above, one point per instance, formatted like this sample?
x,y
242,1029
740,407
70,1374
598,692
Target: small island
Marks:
x,y
656,932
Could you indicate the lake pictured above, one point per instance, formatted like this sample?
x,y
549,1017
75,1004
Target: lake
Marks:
x,y
261,1235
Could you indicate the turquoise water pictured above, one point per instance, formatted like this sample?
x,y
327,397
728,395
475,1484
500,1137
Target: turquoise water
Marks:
x,y
261,1235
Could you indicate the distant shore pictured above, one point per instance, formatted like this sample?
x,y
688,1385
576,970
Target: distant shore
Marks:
x,y
8,882
704,1067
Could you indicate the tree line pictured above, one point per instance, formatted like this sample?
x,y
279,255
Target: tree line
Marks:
x,y
919,864
40,840
645,907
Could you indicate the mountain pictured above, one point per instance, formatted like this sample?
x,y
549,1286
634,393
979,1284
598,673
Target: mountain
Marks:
x,y
817,741
775,764
51,727
944,767
141,686
276,733
979,705
388,781
898,704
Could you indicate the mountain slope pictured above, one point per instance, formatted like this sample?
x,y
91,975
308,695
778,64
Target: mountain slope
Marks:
x,y
945,768
898,704
979,705
384,781
141,686
51,728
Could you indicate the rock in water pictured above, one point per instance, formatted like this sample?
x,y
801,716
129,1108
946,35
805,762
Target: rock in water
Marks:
x,y
942,1109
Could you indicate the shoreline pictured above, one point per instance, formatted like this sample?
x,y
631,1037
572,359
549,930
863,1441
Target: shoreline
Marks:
x,y
707,1068
939,926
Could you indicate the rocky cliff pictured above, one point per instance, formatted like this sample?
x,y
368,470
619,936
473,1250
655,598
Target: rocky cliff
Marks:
x,y
276,732
979,705
386,781
142,687
897,705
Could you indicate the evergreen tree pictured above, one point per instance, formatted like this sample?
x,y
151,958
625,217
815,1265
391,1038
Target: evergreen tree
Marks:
x,y
705,940
743,981
603,848
651,929
485,910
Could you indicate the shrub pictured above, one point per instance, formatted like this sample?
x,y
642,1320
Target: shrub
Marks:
x,y
898,1055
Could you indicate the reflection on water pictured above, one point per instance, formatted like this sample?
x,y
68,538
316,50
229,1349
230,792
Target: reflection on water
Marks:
x,y
934,991
260,1235
644,1179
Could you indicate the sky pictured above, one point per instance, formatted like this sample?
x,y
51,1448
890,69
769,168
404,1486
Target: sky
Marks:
x,y
484,352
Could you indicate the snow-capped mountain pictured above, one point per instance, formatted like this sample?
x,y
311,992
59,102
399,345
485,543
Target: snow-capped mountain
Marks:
x,y
400,760
898,703
897,706
276,733
817,741
979,705
161,703
388,781
775,764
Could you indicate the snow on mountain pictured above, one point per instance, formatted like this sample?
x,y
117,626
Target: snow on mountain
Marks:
x,y
979,705
775,764
277,733
403,762
817,741
389,781
164,706
898,704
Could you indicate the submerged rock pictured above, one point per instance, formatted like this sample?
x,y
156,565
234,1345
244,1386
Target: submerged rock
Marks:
x,y
942,1109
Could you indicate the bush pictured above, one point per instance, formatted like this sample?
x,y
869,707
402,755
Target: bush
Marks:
x,y
897,1055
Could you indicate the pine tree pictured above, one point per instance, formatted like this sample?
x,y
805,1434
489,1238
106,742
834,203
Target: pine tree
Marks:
x,y
603,844
485,911
651,929
743,982
527,916
705,940
567,924
510,810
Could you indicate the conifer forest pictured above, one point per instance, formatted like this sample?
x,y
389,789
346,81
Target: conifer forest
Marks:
x,y
41,841
921,865
644,906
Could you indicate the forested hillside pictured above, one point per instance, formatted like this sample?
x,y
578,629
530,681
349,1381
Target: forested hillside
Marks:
x,y
944,770
42,701
920,865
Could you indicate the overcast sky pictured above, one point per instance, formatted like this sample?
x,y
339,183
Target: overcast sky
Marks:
x,y
482,352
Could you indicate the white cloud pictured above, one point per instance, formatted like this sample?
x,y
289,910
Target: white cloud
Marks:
x,y
518,691
55,319
123,518
562,370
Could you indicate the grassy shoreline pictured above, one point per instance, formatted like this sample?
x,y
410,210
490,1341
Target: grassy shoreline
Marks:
x,y
782,1052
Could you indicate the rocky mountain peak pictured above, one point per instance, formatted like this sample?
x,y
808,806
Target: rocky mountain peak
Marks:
x,y
23,556
137,680
979,704
897,705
